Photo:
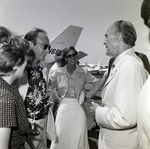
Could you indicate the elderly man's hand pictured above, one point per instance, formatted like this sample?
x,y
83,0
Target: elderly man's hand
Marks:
x,y
93,109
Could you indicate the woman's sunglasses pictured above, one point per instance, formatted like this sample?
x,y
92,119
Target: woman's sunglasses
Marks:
x,y
71,55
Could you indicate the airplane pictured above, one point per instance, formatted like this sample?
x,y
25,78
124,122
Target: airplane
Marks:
x,y
95,68
66,38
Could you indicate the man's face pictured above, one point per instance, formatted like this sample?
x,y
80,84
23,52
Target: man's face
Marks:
x,y
39,49
110,41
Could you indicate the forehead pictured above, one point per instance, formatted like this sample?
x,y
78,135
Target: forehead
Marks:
x,y
42,37
71,51
111,30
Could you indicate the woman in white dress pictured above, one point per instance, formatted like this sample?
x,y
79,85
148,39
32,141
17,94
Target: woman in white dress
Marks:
x,y
70,80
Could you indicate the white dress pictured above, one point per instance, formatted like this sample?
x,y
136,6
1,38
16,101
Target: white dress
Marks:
x,y
71,126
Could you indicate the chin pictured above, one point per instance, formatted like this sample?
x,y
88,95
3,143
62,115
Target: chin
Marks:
x,y
73,63
107,54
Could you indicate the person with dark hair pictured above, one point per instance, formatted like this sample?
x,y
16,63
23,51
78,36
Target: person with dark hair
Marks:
x,y
116,115
14,124
145,14
59,58
145,60
69,81
143,104
59,63
5,33
33,87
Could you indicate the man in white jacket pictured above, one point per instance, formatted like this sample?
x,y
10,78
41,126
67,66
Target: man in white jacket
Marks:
x,y
117,114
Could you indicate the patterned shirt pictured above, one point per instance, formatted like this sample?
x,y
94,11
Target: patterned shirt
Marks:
x,y
36,104
13,115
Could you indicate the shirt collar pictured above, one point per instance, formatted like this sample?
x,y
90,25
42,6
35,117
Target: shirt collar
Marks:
x,y
119,57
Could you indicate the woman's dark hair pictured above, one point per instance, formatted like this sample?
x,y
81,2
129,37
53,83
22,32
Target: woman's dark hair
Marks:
x,y
59,58
145,12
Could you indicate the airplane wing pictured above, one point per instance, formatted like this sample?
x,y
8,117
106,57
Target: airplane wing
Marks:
x,y
68,37
95,68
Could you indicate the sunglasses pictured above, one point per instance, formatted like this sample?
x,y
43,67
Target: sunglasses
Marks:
x,y
45,46
71,55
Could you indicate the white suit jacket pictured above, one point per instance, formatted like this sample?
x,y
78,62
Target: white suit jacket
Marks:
x,y
117,116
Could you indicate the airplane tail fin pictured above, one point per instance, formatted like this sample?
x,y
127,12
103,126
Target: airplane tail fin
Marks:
x,y
99,65
66,38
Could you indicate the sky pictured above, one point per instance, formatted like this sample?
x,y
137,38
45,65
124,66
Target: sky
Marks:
x,y
95,16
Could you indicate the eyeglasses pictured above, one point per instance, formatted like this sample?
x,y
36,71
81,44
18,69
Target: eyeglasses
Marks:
x,y
45,46
71,55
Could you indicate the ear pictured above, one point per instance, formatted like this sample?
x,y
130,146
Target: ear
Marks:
x,y
119,37
31,44
18,62
16,65
15,68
